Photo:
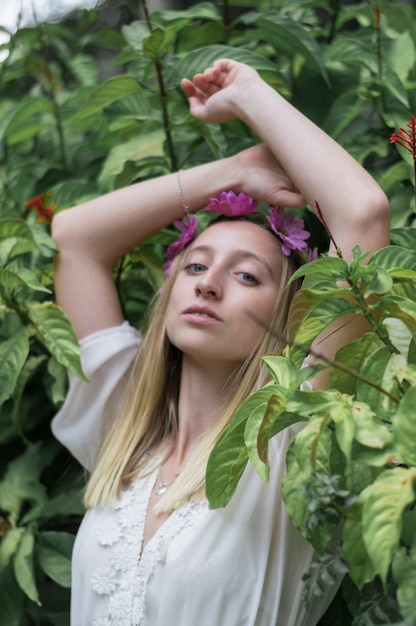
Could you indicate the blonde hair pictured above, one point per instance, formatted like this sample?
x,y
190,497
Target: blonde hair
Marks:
x,y
147,424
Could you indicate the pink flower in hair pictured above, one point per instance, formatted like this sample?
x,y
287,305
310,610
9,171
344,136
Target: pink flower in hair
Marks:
x,y
290,230
231,205
187,229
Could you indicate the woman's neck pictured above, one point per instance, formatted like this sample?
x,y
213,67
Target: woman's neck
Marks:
x,y
203,393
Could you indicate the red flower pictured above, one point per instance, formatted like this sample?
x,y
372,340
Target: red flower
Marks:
x,y
407,139
45,211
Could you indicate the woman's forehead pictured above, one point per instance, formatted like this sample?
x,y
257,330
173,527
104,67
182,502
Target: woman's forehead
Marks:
x,y
240,234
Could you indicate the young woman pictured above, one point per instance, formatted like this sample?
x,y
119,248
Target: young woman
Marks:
x,y
149,551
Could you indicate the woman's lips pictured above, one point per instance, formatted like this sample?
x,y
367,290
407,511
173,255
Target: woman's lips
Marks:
x,y
201,315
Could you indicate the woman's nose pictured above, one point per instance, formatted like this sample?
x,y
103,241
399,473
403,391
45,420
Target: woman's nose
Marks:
x,y
208,286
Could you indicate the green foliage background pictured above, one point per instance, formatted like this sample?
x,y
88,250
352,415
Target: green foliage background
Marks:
x,y
85,109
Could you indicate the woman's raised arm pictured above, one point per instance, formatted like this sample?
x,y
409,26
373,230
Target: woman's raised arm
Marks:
x,y
354,207
93,236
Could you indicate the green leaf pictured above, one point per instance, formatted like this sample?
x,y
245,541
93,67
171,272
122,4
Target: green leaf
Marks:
x,y
54,555
404,427
135,149
12,600
8,546
395,257
57,334
283,371
201,58
307,320
353,354
13,355
18,124
312,446
297,506
327,264
402,308
23,566
362,570
229,455
108,92
342,416
21,484
404,573
369,429
291,38
265,421
159,43
381,367
16,238
404,237
384,503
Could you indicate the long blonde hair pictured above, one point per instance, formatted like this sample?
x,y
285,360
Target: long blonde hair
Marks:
x,y
148,419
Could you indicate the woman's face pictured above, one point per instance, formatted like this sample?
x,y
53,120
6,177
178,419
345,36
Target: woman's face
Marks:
x,y
225,292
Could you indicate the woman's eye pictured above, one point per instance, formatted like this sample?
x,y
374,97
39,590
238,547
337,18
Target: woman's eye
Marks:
x,y
195,268
248,278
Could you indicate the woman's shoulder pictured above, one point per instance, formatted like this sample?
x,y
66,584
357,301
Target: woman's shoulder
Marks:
x,y
91,406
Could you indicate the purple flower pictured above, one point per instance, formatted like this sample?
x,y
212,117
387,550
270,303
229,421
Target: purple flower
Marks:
x,y
290,230
313,254
231,205
187,228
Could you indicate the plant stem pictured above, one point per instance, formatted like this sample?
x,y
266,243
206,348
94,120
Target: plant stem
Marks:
x,y
380,332
322,357
163,98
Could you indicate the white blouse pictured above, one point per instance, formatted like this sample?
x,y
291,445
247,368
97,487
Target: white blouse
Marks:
x,y
237,566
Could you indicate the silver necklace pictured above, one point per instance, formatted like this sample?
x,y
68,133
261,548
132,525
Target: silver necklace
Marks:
x,y
162,485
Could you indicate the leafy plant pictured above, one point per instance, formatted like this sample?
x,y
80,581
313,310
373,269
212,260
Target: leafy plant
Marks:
x,y
87,108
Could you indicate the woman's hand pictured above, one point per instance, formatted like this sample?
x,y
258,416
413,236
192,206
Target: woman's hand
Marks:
x,y
264,178
214,95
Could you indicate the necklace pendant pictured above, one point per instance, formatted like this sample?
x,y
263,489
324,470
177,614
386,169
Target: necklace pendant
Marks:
x,y
161,490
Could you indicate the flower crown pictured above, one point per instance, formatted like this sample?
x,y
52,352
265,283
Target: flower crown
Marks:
x,y
285,226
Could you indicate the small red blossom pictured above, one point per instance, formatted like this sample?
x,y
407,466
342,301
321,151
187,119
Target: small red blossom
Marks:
x,y
45,211
290,230
231,205
407,139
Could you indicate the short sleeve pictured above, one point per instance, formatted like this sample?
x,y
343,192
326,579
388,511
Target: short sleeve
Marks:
x,y
90,408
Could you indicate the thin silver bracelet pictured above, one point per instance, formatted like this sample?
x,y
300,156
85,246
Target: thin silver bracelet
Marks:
x,y
184,206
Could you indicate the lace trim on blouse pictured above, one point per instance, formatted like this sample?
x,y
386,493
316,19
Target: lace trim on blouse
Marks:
x,y
124,583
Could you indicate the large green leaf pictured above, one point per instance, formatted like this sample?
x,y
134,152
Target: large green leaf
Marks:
x,y
404,573
384,503
109,91
297,506
57,333
291,38
13,355
159,43
404,427
54,550
20,483
24,568
12,605
395,256
307,322
201,58
402,308
265,421
362,569
16,238
19,124
381,368
8,546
